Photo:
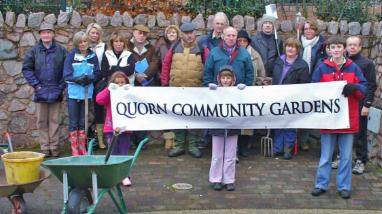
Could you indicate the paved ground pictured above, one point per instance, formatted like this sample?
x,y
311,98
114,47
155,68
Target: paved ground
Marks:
x,y
262,184
268,211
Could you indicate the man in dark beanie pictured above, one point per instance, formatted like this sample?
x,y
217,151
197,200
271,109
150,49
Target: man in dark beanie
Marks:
x,y
265,43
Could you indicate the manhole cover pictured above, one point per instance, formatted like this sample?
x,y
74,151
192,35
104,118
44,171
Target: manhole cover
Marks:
x,y
182,186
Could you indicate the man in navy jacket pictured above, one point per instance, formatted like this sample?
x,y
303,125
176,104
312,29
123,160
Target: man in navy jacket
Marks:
x,y
353,48
43,70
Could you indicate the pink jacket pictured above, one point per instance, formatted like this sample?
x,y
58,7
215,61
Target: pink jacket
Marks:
x,y
103,98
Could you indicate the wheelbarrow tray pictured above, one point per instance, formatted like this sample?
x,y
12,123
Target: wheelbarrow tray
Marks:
x,y
79,169
19,189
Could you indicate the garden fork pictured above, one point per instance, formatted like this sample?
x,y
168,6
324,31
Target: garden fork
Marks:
x,y
267,145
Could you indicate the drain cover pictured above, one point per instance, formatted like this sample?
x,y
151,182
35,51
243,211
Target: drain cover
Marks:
x,y
182,186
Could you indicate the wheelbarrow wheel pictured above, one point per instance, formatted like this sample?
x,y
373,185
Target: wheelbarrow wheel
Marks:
x,y
19,206
79,201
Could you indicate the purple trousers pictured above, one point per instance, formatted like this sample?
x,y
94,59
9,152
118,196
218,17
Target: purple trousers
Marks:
x,y
223,161
121,147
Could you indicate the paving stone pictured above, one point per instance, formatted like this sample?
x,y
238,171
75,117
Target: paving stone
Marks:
x,y
260,183
102,20
7,50
354,28
141,19
344,26
238,22
377,28
366,28
86,20
12,67
63,19
76,19
117,19
35,19
162,20
50,18
14,37
210,22
16,105
185,19
198,21
21,21
128,21
249,23
333,27
151,20
1,19
27,39
3,115
175,19
286,26
10,18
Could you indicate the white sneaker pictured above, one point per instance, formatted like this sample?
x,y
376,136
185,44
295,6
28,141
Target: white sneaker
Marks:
x,y
359,168
335,163
126,182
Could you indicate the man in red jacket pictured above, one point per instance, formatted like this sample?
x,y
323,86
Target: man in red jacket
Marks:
x,y
339,68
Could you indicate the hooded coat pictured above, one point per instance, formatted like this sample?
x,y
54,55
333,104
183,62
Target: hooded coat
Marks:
x,y
220,132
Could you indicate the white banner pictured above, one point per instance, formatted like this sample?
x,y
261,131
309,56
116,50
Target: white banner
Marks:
x,y
314,105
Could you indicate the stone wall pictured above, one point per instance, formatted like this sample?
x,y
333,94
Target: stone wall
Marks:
x,y
17,34
375,139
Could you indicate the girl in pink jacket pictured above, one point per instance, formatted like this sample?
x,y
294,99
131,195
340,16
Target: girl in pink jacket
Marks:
x,y
123,141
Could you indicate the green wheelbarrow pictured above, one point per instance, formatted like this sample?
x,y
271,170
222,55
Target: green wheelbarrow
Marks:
x,y
86,179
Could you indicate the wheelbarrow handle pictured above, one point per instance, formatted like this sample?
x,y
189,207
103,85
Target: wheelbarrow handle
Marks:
x,y
136,154
110,148
10,145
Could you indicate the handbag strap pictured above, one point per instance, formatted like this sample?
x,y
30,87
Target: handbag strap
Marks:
x,y
119,61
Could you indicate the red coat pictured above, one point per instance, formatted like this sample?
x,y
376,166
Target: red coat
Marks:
x,y
328,71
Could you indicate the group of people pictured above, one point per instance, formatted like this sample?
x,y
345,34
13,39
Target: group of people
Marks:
x,y
225,57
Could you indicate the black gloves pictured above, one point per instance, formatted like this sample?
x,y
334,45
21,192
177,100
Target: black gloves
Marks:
x,y
349,89
83,80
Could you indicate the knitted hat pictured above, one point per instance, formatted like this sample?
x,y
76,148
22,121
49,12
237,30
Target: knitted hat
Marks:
x,y
267,18
243,34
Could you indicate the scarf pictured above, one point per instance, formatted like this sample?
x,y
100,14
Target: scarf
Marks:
x,y
229,49
307,45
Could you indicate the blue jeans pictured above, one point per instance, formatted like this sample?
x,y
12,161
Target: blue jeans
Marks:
x,y
283,138
76,110
344,171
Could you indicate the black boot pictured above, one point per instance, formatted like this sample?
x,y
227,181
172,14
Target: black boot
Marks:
x,y
243,145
